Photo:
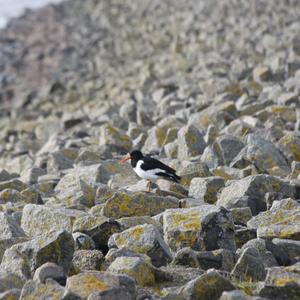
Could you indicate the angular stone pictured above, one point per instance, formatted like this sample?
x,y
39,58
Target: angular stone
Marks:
x,y
290,247
128,222
289,144
230,146
241,215
263,153
50,271
262,73
24,258
57,162
87,260
280,284
250,265
218,259
99,228
9,227
31,175
206,188
188,172
135,267
90,283
10,281
212,156
143,239
243,235
190,142
114,253
40,219
279,223
270,254
13,294
137,204
83,241
208,286
14,184
10,195
206,227
40,291
7,243
110,135
238,295
251,191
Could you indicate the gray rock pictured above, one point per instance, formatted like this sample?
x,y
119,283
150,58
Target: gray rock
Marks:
x,y
208,286
230,146
206,227
144,239
99,285
40,219
263,153
12,294
83,241
39,291
110,135
250,265
57,162
31,175
250,191
212,156
238,295
87,260
218,259
135,267
10,281
190,142
24,258
10,228
50,271
206,188
290,247
99,228
281,284
137,204
191,170
241,215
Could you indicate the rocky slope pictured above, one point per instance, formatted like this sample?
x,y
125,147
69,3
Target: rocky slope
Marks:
x,y
209,87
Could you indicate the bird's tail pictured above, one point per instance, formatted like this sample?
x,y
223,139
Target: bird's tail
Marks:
x,y
171,176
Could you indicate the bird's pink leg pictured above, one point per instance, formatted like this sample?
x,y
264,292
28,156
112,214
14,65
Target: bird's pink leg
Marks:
x,y
148,186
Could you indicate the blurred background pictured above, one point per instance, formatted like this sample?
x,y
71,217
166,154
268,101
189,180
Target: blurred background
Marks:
x,y
13,8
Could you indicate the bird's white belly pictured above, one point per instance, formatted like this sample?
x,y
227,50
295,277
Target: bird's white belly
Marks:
x,y
149,174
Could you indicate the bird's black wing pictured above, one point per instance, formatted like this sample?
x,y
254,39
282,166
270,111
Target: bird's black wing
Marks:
x,y
152,163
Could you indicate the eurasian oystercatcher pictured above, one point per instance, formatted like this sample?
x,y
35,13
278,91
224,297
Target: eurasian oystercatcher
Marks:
x,y
149,168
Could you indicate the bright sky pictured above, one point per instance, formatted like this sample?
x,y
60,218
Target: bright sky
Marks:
x,y
13,8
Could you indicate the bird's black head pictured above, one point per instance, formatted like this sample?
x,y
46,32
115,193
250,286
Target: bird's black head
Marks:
x,y
136,155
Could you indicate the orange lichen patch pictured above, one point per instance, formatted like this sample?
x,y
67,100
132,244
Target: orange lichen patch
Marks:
x,y
84,285
186,221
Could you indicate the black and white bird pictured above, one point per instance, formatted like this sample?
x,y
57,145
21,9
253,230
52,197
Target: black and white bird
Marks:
x,y
149,168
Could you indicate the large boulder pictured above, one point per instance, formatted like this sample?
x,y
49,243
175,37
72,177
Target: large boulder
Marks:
x,y
206,227
99,228
135,267
123,204
251,191
144,239
40,219
208,286
190,142
95,284
24,258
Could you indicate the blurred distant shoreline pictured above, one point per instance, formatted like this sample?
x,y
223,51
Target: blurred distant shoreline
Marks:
x,y
14,8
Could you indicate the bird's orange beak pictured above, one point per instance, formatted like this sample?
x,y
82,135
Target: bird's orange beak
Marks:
x,y
122,161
